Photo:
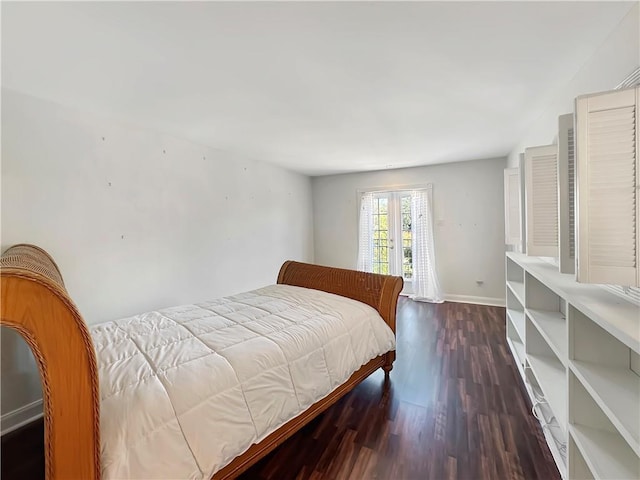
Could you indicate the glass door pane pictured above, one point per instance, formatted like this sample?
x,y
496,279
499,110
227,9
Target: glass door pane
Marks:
x,y
405,234
392,248
381,235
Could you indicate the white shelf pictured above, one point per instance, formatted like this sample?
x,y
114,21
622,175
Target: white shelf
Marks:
x,y
616,315
553,327
617,393
606,453
517,320
552,378
517,350
577,345
558,457
518,290
554,434
578,467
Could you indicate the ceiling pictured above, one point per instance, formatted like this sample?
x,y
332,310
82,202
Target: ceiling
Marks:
x,y
318,88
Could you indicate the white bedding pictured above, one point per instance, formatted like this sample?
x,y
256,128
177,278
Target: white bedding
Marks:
x,y
185,390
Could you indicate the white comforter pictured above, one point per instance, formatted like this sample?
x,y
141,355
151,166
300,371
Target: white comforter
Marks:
x,y
185,390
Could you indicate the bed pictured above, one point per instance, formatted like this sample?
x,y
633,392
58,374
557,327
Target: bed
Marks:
x,y
74,362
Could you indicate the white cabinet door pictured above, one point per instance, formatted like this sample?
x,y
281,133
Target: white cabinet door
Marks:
x,y
512,228
566,194
608,181
541,198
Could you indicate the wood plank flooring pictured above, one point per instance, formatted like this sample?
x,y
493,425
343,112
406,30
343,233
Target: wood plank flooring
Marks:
x,y
453,407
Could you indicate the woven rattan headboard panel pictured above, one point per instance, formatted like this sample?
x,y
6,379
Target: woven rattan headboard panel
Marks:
x,y
379,291
34,259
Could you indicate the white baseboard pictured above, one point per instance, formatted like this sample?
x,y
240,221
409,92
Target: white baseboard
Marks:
x,y
13,420
493,302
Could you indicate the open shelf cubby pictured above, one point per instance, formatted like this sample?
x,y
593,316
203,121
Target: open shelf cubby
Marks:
x,y
516,344
548,370
609,371
603,449
515,314
554,433
515,280
547,312
577,465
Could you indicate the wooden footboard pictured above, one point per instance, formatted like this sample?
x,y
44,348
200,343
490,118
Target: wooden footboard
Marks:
x,y
36,304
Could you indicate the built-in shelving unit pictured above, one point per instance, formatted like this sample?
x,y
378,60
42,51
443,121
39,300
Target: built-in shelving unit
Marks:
x,y
577,348
515,313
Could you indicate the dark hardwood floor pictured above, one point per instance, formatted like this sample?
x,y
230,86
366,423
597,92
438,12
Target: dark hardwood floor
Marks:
x,y
454,407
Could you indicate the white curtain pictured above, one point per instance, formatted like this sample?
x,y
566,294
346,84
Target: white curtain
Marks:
x,y
365,233
426,287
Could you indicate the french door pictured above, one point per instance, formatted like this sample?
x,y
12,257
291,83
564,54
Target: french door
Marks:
x,y
392,250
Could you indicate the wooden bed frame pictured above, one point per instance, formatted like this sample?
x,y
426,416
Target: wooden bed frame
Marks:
x,y
36,304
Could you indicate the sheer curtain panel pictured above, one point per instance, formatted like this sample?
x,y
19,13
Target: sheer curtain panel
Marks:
x,y
365,233
426,287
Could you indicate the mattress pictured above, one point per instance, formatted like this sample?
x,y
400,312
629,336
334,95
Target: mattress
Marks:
x,y
185,390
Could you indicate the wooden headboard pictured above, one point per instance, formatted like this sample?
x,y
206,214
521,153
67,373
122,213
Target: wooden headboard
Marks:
x,y
379,291
36,304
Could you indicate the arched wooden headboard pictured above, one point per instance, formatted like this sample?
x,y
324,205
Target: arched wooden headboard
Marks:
x,y
36,304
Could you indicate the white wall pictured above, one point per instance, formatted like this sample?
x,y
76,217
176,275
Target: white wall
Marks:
x,y
616,58
469,213
139,220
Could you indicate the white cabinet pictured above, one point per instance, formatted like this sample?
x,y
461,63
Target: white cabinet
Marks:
x,y
512,227
566,194
541,198
577,348
608,178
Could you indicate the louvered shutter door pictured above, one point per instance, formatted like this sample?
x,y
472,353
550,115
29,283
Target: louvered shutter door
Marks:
x,y
607,174
541,197
566,194
572,194
512,206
